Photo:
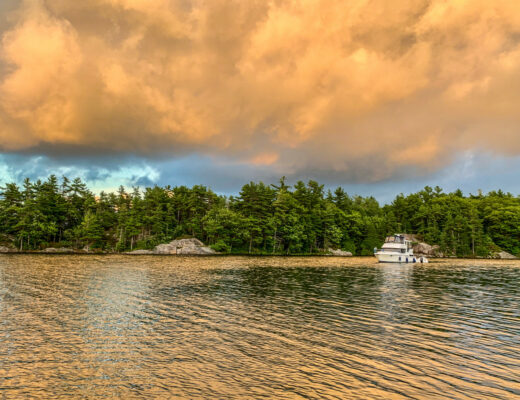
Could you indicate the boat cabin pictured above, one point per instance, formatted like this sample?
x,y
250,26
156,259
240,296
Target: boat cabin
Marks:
x,y
397,243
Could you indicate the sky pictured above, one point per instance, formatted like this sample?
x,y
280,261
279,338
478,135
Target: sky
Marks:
x,y
379,97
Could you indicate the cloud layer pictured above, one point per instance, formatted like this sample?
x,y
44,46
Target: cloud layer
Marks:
x,y
361,88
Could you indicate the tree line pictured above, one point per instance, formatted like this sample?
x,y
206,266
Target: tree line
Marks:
x,y
262,219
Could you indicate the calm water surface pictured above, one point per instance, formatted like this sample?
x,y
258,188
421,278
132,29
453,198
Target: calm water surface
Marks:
x,y
237,327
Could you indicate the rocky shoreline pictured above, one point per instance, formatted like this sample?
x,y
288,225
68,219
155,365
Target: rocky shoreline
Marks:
x,y
179,247
426,250
193,246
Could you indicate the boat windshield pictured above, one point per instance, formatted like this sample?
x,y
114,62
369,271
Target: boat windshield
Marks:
x,y
394,239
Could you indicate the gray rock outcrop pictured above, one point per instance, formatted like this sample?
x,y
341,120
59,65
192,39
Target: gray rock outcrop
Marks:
x,y
424,249
180,246
410,236
184,246
4,249
58,250
504,255
339,252
141,252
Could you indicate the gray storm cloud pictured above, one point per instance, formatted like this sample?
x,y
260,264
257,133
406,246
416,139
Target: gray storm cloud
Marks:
x,y
361,88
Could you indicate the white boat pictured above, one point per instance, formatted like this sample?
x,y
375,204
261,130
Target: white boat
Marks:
x,y
397,249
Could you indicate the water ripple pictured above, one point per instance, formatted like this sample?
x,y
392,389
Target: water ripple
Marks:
x,y
239,327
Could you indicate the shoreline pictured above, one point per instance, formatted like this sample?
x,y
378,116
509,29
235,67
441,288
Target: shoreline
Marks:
x,y
324,256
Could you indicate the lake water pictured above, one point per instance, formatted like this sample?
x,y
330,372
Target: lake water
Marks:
x,y
246,327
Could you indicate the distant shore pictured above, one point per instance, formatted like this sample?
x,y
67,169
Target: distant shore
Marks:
x,y
264,219
231,255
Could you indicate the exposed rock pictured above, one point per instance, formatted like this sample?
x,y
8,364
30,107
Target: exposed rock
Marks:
x,y
424,249
339,252
411,237
504,255
184,246
180,246
58,250
141,252
4,249
166,248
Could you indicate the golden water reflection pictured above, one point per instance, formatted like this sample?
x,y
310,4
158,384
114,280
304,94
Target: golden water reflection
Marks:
x,y
246,327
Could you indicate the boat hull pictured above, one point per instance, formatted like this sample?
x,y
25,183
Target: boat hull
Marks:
x,y
385,257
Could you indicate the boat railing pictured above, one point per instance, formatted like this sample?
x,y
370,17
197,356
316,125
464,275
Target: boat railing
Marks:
x,y
391,250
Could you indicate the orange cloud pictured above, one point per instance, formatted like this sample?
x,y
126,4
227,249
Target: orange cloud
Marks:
x,y
364,87
265,159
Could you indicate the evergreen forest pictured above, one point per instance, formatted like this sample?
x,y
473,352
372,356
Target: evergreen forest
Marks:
x,y
262,219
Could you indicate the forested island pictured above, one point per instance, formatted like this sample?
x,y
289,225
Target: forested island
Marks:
x,y
262,219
